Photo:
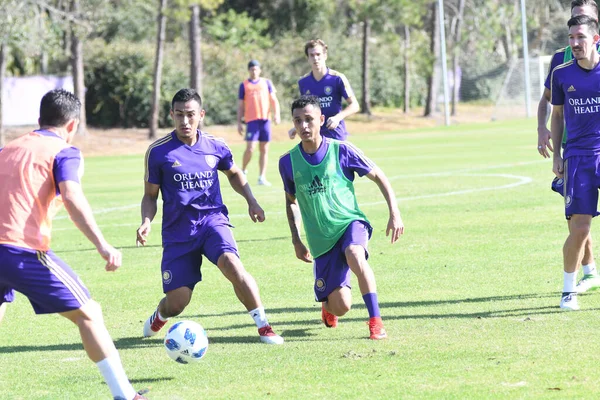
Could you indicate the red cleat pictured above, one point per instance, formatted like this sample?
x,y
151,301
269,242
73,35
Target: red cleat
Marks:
x,y
328,318
376,329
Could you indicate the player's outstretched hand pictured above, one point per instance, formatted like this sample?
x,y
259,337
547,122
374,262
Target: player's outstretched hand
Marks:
x,y
544,142
112,256
302,252
256,212
558,166
292,133
395,226
142,233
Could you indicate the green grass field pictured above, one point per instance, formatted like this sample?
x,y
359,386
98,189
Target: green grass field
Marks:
x,y
469,294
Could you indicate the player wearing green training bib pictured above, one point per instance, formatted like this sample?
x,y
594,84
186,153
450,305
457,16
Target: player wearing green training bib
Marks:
x,y
318,177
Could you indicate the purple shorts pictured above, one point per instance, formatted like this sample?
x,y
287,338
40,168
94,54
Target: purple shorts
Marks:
x,y
50,285
581,183
331,269
181,261
259,129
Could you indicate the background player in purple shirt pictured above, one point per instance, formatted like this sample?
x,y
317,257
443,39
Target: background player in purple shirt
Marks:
x,y
330,87
575,98
590,279
183,166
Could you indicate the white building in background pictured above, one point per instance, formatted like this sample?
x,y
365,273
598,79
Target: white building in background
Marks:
x,y
21,97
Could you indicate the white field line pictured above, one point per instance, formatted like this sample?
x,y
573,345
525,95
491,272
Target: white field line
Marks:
x,y
520,180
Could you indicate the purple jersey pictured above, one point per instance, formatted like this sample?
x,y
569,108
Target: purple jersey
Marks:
x,y
330,90
578,90
352,160
242,91
68,163
188,180
557,59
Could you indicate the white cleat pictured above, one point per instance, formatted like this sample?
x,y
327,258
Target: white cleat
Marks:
x,y
569,302
588,282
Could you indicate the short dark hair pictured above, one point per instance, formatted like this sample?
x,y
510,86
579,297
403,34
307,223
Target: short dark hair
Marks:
x,y
185,95
583,3
314,43
58,107
584,20
305,100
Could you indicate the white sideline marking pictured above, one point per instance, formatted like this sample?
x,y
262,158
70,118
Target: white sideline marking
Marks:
x,y
520,180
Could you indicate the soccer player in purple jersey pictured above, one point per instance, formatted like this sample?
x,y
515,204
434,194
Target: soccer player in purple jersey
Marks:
x,y
330,87
318,177
38,171
591,278
183,166
575,97
256,101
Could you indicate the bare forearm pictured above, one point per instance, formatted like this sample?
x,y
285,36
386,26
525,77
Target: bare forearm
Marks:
x,y
239,183
543,113
557,129
386,189
294,219
149,208
81,214
351,109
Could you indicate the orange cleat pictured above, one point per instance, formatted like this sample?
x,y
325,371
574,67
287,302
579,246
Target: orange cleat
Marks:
x,y
328,318
376,329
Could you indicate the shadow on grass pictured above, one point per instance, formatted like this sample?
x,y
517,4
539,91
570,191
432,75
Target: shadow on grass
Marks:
x,y
397,304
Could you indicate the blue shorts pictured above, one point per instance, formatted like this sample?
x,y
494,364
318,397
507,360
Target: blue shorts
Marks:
x,y
259,129
181,261
48,282
331,269
581,181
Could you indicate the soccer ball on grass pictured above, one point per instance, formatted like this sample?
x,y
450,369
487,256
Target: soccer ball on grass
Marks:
x,y
186,342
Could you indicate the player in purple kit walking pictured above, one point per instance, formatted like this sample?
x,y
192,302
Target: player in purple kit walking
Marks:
x,y
575,97
318,177
591,278
183,166
38,172
330,87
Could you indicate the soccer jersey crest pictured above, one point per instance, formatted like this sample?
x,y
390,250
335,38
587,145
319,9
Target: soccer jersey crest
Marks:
x,y
210,160
328,90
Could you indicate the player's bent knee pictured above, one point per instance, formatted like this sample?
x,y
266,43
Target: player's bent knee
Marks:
x,y
355,252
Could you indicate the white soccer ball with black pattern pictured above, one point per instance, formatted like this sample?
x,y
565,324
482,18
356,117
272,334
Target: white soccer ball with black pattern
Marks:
x,y
186,342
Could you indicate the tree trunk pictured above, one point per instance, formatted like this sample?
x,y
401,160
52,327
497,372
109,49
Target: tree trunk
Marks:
x,y
293,22
158,62
77,68
3,57
406,69
195,49
433,79
456,56
366,100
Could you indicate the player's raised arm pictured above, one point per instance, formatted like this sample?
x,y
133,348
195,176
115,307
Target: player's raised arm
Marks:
x,y
395,226
239,183
295,220
149,208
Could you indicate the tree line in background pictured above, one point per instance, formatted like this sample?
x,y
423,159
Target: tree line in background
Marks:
x,y
128,57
